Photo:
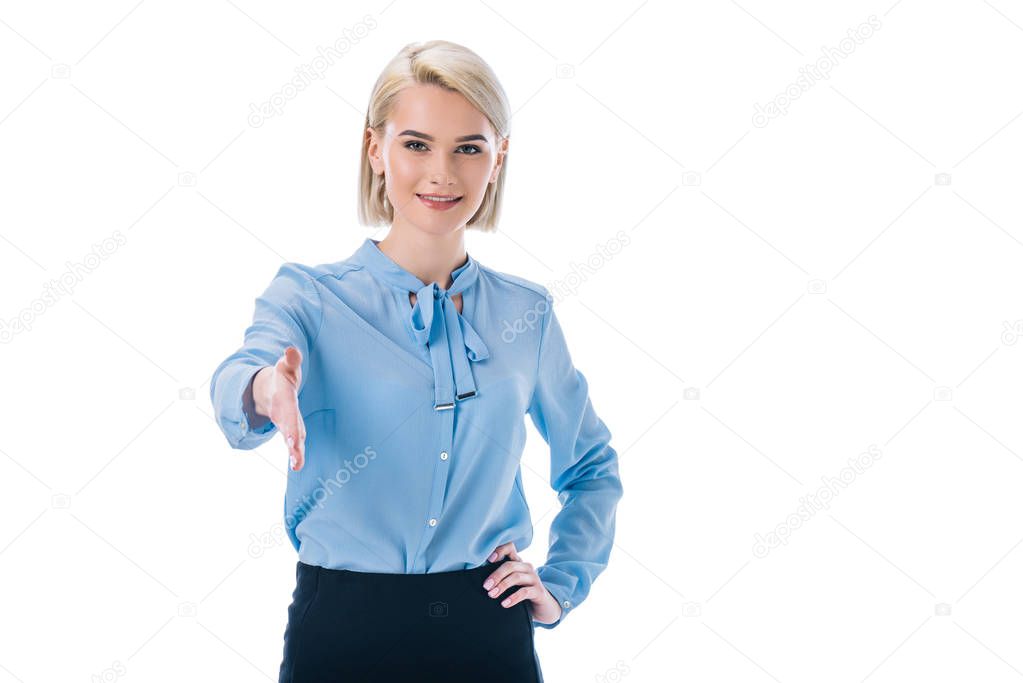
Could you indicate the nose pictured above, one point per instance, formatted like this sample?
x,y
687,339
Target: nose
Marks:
x,y
441,171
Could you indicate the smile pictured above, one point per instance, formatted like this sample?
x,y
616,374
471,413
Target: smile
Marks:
x,y
439,202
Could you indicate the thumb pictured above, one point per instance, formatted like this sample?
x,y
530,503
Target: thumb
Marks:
x,y
290,365
292,358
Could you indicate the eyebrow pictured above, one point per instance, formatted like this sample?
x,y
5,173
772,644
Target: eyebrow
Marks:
x,y
464,138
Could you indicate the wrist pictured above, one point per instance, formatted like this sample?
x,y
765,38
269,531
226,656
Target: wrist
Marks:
x,y
261,391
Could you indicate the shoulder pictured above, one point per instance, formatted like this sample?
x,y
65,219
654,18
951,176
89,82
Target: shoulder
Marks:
x,y
298,277
522,286
318,272
527,304
302,285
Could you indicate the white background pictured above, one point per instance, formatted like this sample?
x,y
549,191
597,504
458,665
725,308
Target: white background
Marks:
x,y
792,295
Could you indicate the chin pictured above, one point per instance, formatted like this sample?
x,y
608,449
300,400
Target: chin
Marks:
x,y
440,225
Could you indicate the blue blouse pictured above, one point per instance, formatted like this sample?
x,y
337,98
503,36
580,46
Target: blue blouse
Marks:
x,y
415,424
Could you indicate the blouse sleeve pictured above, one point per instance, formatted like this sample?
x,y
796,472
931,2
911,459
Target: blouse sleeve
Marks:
x,y
288,313
584,472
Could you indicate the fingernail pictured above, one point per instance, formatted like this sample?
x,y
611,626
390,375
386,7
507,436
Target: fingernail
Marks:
x,y
488,584
493,556
292,462
506,602
291,441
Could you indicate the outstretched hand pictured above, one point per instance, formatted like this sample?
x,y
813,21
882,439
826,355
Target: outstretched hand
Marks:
x,y
285,379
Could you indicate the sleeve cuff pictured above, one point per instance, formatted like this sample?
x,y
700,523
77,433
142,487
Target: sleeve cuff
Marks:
x,y
231,388
560,594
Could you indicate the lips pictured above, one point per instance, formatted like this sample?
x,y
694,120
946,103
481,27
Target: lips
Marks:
x,y
441,197
439,202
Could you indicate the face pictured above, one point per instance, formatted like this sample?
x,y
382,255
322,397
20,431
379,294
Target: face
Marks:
x,y
435,143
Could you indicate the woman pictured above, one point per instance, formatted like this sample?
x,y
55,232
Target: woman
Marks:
x,y
400,377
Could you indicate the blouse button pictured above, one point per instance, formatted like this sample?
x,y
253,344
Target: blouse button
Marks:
x,y
443,455
567,603
433,522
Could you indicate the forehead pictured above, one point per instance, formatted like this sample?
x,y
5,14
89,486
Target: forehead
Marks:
x,y
436,111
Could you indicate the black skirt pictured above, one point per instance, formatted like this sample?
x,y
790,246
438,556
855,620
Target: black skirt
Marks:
x,y
358,626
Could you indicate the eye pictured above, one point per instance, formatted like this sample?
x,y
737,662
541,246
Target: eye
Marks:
x,y
473,149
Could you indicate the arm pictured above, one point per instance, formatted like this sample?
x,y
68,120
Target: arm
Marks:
x,y
584,472
288,313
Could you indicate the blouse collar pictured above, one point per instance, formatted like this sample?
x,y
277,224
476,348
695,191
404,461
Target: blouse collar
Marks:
x,y
436,323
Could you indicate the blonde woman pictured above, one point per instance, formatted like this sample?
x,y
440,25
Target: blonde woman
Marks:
x,y
400,378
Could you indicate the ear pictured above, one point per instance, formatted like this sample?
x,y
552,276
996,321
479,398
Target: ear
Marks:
x,y
501,152
373,151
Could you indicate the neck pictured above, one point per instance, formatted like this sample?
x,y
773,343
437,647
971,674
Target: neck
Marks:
x,y
431,258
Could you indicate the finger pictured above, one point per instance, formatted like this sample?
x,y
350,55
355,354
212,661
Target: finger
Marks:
x,y
499,552
289,439
293,430
498,575
296,448
503,550
507,576
524,593
301,441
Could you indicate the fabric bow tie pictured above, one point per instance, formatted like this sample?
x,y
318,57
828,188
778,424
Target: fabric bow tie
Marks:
x,y
451,341
450,338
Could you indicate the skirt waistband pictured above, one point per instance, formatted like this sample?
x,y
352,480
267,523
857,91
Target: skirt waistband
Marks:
x,y
403,579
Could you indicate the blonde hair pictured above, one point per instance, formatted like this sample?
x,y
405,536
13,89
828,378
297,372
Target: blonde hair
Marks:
x,y
450,66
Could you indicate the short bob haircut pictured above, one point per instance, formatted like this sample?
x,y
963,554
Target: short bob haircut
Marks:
x,y
450,66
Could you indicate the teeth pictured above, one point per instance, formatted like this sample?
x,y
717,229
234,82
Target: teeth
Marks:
x,y
438,199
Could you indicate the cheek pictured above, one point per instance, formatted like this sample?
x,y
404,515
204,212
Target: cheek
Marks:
x,y
404,171
476,174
